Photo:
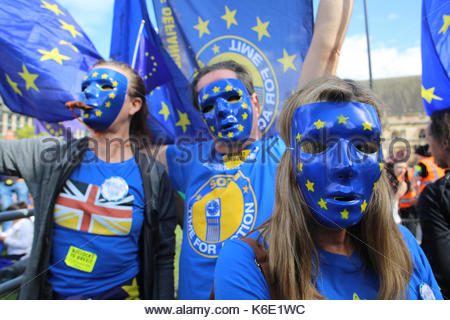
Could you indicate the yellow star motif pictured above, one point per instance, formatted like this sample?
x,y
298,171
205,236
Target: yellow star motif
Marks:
x,y
86,115
355,296
367,125
69,44
70,28
428,94
240,92
244,105
132,290
51,7
98,113
85,78
244,116
446,24
13,85
375,185
216,89
202,27
220,135
95,74
261,28
342,119
300,167
112,95
228,88
29,78
299,136
184,121
241,128
319,124
212,129
381,166
198,197
229,17
114,83
216,49
344,214
205,96
164,111
108,104
310,186
245,189
104,76
54,55
363,206
287,61
230,134
322,204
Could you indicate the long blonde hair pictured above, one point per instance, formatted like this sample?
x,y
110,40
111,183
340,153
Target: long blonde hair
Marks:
x,y
292,255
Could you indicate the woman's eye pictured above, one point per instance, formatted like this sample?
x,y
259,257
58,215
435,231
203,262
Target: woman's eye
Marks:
x,y
234,98
107,87
313,147
207,108
367,147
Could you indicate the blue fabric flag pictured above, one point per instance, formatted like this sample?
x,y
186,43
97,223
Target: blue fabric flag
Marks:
x,y
171,114
44,55
67,129
269,38
435,55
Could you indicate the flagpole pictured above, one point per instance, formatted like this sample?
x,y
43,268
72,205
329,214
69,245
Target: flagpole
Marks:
x,y
368,46
133,63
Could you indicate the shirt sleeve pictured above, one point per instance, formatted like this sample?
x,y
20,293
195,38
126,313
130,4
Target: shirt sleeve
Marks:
x,y
237,277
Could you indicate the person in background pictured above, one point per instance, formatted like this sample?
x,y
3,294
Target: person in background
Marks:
x,y
331,234
434,203
426,168
398,187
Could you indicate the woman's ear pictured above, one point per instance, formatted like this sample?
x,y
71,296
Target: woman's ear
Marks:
x,y
136,105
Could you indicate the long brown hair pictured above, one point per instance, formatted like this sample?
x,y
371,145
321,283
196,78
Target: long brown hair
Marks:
x,y
293,258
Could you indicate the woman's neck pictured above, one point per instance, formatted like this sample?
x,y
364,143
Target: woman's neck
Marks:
x,y
112,146
333,240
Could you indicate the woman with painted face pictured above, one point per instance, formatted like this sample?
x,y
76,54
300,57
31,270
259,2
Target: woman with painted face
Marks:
x,y
332,234
105,218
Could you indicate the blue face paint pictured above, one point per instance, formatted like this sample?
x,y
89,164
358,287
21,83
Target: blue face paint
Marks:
x,y
105,90
227,110
337,159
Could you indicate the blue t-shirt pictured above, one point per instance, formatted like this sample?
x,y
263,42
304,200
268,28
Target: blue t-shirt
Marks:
x,y
98,219
225,199
237,277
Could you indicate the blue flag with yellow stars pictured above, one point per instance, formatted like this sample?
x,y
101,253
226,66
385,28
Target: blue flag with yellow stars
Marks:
x,y
67,129
435,55
171,113
43,57
269,38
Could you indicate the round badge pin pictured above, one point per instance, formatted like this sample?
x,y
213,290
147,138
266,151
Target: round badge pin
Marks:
x,y
114,189
425,292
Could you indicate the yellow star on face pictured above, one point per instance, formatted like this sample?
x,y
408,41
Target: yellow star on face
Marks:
x,y
428,94
202,27
164,111
245,189
69,44
244,105
54,55
112,95
244,115
363,206
300,167
322,204
29,78
114,83
342,119
344,214
216,89
212,129
216,49
220,135
70,28
51,7
13,85
84,78
261,28
367,125
230,134
95,74
184,121
446,24
319,124
241,128
299,136
310,186
228,88
205,96
355,296
132,290
104,76
381,166
86,115
229,17
287,61
98,113
108,104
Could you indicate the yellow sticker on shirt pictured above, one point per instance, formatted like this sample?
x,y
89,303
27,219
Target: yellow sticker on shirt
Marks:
x,y
80,259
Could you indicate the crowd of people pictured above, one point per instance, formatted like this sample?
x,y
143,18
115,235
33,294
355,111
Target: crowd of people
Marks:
x,y
306,214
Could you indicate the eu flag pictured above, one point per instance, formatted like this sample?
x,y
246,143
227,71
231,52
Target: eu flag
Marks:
x,y
435,55
44,55
67,129
171,114
269,38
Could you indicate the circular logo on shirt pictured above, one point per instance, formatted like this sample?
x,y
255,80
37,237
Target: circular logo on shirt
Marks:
x,y
426,293
223,208
257,65
114,189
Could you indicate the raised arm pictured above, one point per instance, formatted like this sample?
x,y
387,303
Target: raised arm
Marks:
x,y
330,27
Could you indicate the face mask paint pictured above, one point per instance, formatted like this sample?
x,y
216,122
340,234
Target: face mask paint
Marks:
x,y
337,159
227,110
105,90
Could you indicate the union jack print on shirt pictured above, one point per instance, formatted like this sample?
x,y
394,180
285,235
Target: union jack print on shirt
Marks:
x,y
81,206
